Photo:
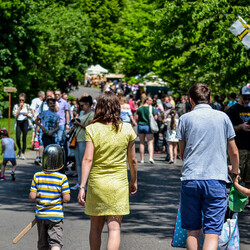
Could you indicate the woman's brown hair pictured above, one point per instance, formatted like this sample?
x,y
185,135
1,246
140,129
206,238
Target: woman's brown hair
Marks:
x,y
4,132
172,123
108,109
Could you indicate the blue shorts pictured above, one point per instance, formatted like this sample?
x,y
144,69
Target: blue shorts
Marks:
x,y
209,197
12,160
144,129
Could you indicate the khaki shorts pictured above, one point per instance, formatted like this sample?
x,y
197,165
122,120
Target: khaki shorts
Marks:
x,y
244,165
49,233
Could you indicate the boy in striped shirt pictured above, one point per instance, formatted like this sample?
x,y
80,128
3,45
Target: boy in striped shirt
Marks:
x,y
50,189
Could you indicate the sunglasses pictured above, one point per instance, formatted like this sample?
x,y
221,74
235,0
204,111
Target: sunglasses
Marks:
x,y
21,100
83,105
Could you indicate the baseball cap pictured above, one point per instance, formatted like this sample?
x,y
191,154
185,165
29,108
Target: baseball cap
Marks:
x,y
237,201
245,91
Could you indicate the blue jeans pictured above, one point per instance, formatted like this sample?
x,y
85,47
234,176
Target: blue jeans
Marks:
x,y
60,132
79,153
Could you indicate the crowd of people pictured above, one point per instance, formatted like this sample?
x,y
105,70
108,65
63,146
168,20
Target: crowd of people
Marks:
x,y
105,132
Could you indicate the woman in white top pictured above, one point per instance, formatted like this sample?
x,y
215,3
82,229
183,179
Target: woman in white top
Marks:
x,y
22,112
172,125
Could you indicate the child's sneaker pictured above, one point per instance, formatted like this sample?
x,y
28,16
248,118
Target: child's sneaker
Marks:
x,y
4,179
38,161
13,176
1,178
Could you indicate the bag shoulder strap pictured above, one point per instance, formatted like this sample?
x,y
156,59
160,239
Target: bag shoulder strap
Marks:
x,y
150,110
83,124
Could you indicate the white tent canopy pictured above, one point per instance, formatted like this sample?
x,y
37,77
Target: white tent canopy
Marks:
x,y
96,70
150,79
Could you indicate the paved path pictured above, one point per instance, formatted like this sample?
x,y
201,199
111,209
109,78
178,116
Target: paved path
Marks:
x,y
81,90
149,226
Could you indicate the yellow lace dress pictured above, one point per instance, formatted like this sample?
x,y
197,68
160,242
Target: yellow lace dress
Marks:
x,y
107,191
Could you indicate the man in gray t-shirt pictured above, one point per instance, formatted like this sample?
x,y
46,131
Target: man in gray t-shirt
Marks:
x,y
205,135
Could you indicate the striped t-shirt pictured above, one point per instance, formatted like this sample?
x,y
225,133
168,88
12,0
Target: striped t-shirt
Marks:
x,y
49,188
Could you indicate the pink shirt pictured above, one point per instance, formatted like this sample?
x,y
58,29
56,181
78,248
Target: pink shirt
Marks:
x,y
132,105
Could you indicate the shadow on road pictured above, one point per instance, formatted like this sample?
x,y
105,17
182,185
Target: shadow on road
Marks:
x,y
153,208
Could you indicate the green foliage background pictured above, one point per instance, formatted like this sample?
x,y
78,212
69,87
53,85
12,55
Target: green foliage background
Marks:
x,y
47,44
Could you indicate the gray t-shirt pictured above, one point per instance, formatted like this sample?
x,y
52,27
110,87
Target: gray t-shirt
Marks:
x,y
206,132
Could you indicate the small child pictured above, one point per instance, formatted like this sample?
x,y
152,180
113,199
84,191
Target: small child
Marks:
x,y
50,189
245,191
8,151
172,124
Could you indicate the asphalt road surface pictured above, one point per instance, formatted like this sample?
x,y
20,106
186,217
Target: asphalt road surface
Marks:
x,y
149,225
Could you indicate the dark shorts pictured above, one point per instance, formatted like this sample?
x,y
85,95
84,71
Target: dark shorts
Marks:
x,y
12,160
144,129
50,233
47,140
209,197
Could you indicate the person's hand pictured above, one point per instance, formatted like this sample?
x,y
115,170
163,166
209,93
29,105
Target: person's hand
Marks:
x,y
44,130
81,196
76,123
21,105
50,133
237,179
244,126
132,187
25,114
67,127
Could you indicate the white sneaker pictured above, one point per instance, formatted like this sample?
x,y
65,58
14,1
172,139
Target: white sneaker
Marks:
x,y
171,161
76,187
22,157
141,161
151,161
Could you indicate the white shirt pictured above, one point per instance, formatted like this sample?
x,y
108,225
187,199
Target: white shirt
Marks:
x,y
35,105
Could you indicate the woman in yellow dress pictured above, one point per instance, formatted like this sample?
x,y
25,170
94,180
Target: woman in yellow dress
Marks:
x,y
109,143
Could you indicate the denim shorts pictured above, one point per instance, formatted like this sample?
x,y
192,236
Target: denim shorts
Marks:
x,y
207,196
12,160
144,129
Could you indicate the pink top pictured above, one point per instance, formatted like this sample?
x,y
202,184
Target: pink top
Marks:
x,y
132,105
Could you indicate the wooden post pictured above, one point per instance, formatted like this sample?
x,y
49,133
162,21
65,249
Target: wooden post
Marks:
x,y
9,90
9,112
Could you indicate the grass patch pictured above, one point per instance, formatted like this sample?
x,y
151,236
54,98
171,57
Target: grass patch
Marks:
x,y
12,133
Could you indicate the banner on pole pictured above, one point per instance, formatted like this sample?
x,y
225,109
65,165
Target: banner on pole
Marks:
x,y
242,30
